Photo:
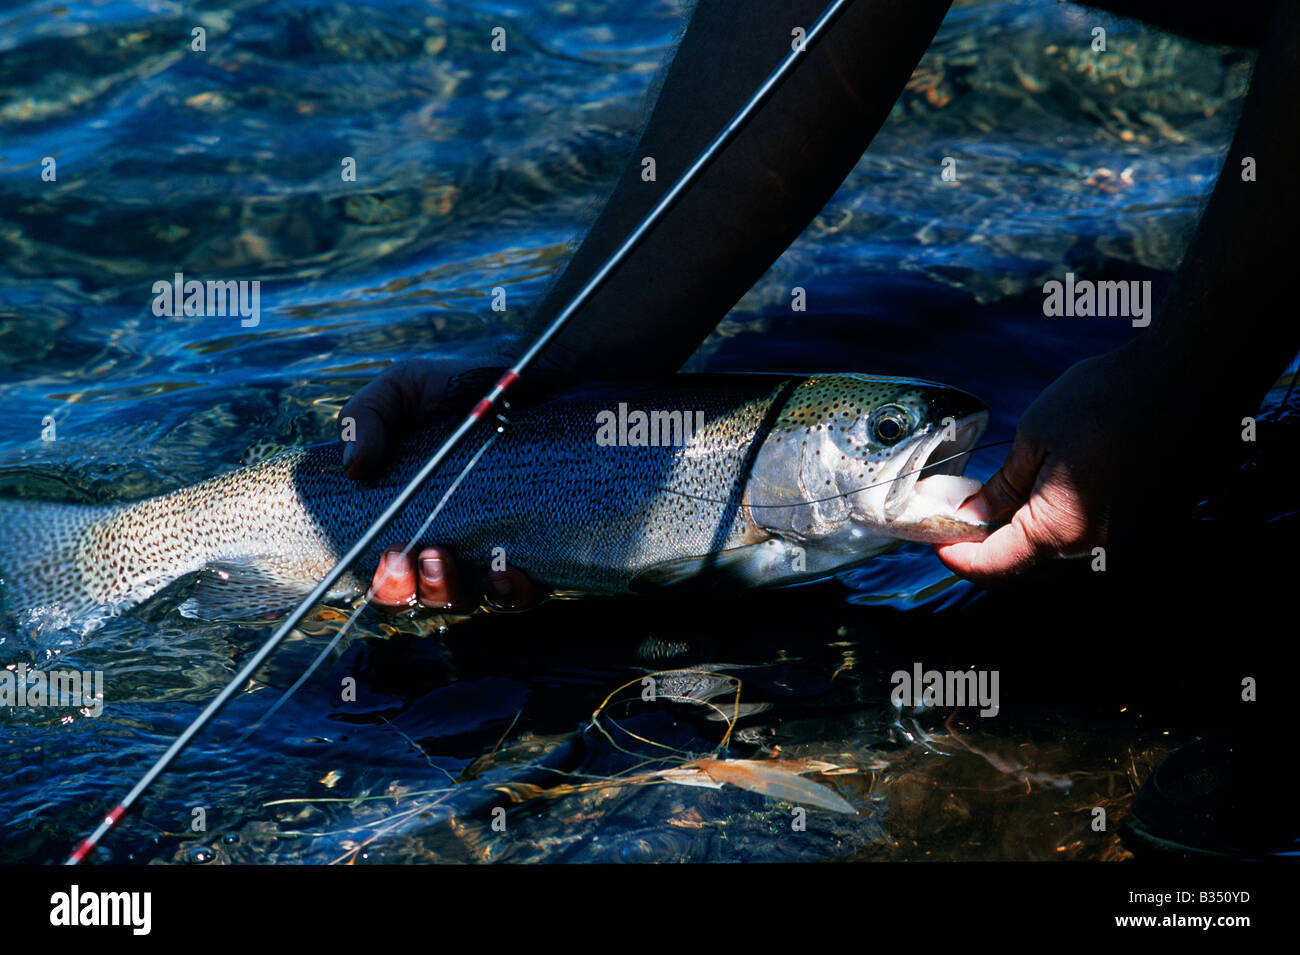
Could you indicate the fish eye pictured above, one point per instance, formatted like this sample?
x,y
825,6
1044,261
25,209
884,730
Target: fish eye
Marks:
x,y
889,425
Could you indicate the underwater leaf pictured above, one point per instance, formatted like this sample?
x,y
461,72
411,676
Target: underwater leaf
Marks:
x,y
689,777
521,791
772,779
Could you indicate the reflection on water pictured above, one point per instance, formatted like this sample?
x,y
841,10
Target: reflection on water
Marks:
x,y
477,170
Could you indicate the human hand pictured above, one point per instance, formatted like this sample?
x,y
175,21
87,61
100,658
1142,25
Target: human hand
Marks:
x,y
401,399
1092,436
432,579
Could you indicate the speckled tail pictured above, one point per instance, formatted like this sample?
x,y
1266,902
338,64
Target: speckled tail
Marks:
x,y
39,568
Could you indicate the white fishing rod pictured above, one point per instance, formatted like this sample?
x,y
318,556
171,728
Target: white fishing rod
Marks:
x,y
485,407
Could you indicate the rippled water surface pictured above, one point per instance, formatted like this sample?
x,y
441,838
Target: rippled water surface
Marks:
x,y
476,170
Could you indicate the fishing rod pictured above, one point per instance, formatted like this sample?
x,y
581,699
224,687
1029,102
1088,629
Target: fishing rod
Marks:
x,y
479,413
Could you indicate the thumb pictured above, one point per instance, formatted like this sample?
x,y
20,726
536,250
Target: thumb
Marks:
x,y
1009,549
1006,491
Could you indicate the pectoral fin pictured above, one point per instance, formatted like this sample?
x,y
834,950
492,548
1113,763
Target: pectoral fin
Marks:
x,y
774,562
726,569
251,588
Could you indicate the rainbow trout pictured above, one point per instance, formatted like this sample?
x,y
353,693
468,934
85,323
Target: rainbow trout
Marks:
x,y
756,480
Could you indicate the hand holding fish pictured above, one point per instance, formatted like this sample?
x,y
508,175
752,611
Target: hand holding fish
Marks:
x,y
394,403
432,579
1053,484
1198,373
1070,482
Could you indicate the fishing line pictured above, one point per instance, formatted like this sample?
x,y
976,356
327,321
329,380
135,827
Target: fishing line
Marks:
x,y
480,412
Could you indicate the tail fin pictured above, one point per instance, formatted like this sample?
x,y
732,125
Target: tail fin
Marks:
x,y
40,578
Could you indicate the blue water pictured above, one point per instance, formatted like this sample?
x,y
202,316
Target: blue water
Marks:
x,y
479,170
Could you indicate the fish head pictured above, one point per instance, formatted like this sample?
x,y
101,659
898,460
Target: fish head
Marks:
x,y
856,463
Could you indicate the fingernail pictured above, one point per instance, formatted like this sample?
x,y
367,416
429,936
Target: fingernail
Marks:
x,y
431,570
394,561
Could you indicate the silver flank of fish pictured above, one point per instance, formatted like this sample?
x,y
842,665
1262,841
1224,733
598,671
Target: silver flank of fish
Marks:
x,y
826,486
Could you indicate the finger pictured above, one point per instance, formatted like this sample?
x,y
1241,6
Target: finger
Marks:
x,y
363,426
1006,491
512,589
402,398
1008,550
393,586
439,583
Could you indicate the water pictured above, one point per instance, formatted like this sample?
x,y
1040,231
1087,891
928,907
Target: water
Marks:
x,y
477,170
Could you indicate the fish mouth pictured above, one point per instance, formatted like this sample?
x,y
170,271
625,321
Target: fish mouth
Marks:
x,y
935,453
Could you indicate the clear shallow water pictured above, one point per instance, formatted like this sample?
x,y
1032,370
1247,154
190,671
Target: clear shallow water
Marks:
x,y
476,170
